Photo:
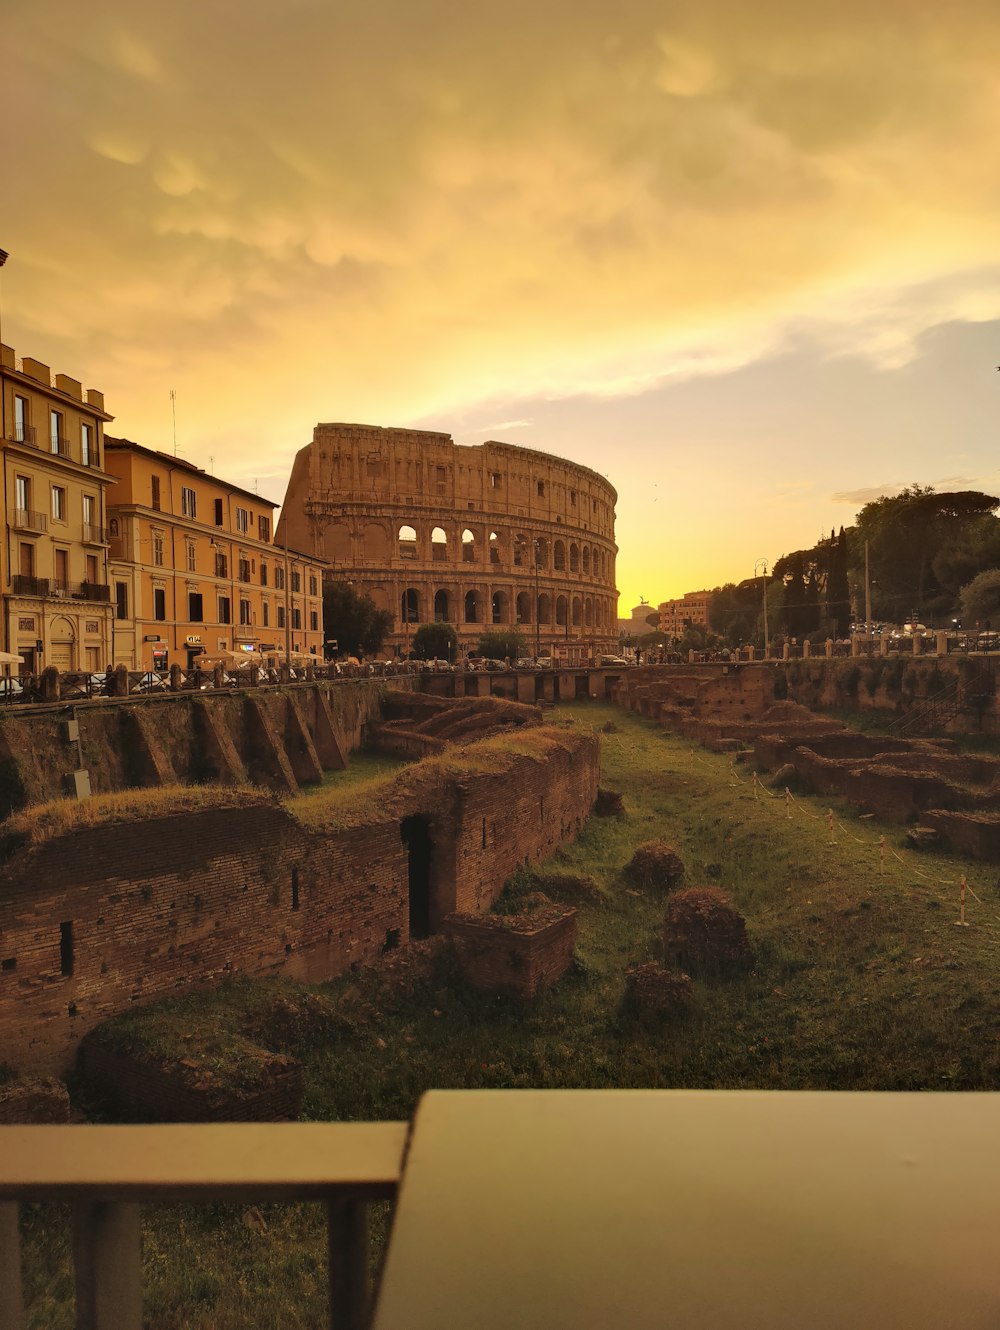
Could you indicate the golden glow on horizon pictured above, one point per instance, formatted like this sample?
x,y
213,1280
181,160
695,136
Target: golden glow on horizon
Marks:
x,y
557,217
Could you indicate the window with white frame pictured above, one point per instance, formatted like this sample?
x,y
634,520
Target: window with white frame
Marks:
x,y
189,502
58,503
242,520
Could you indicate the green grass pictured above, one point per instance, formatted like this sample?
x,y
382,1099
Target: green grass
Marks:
x,y
862,981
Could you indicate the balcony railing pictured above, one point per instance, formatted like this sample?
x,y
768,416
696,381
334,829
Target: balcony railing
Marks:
x,y
107,1172
94,535
25,519
25,585
92,591
22,434
59,446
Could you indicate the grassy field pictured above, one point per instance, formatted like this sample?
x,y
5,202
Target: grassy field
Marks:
x,y
862,981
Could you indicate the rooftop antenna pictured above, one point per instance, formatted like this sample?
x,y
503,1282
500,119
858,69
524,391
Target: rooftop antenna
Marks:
x,y
173,412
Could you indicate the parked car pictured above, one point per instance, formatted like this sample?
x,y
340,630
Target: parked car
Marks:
x,y
149,682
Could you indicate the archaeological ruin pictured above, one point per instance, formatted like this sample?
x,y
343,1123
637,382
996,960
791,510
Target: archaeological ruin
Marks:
x,y
479,537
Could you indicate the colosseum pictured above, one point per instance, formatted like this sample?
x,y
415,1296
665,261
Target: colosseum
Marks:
x,y
475,536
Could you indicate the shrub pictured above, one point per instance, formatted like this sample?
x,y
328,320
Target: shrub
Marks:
x,y
609,804
651,991
704,933
655,864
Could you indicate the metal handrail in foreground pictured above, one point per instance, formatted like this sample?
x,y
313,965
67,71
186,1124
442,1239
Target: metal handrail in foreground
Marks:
x,y
107,1172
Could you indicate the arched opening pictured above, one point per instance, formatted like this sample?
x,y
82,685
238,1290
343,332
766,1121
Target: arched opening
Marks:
x,y
542,552
472,610
441,606
494,547
376,544
501,611
407,542
410,606
439,545
574,558
577,612
337,542
544,608
561,611
586,560
588,612
559,557
523,607
522,550
468,546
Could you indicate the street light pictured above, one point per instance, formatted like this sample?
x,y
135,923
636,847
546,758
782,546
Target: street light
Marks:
x,y
767,642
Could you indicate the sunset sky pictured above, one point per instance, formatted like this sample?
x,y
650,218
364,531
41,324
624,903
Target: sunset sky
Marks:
x,y
741,258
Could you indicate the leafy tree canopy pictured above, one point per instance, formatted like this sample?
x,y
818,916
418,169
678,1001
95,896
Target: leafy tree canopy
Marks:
x,y
980,600
354,621
435,641
501,644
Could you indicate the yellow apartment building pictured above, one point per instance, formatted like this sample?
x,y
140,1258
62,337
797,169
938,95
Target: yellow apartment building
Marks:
x,y
194,571
691,608
54,552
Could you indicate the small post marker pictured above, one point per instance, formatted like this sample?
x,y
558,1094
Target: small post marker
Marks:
x,y
961,922
755,795
788,802
881,855
829,818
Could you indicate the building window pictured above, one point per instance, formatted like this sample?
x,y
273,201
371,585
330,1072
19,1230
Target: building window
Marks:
x,y
23,432
195,612
296,618
541,489
88,514
264,529
279,577
221,564
155,492
159,603
91,567
218,512
62,569
85,444
267,614
244,569
56,442
121,600
281,616
242,520
158,548
296,580
263,573
22,493
572,498
313,588
245,615
495,479
26,561
225,615
313,620
189,502
58,503
191,556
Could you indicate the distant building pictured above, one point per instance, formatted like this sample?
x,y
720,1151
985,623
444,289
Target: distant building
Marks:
x,y
691,610
637,624
195,572
54,556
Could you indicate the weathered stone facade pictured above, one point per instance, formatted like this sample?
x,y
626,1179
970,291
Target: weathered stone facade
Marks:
x,y
100,917
482,536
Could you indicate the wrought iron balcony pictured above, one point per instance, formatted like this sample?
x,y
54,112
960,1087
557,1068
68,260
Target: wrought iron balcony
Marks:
x,y
92,591
59,446
22,433
94,535
24,585
25,519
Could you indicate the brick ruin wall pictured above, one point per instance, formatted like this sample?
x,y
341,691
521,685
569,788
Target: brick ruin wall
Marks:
x,y
105,916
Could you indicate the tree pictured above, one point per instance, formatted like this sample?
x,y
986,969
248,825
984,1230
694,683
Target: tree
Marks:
x,y
354,621
980,600
501,644
909,537
736,611
435,641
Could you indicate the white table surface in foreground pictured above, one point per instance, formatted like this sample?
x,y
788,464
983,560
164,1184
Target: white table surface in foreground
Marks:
x,y
565,1210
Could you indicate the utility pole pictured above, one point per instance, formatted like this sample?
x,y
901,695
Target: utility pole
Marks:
x,y
868,598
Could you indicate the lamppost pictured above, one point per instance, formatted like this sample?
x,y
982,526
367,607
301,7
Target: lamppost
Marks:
x,y
762,563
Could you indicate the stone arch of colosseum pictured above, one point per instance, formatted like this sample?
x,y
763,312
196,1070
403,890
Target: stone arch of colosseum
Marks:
x,y
491,535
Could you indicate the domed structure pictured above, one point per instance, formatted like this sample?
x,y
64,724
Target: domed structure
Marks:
x,y
479,537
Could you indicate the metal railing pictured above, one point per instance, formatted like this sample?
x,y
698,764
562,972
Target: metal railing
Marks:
x,y
22,434
26,519
59,446
24,585
107,1172
92,591
94,535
